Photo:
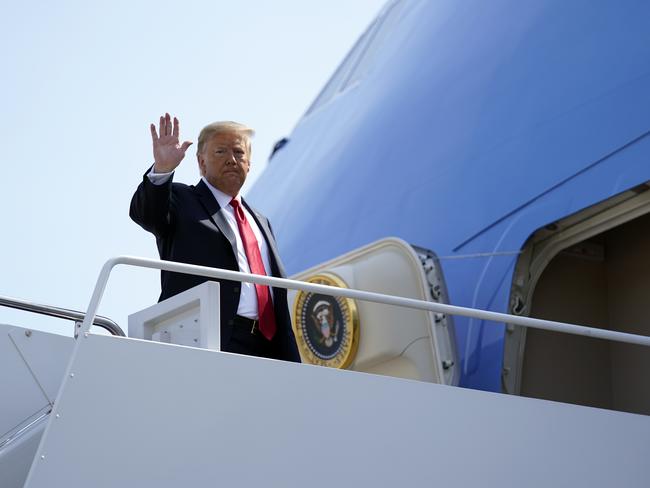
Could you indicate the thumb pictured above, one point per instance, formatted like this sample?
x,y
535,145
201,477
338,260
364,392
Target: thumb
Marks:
x,y
185,145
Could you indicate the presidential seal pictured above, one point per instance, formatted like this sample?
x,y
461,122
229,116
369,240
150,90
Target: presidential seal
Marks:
x,y
326,327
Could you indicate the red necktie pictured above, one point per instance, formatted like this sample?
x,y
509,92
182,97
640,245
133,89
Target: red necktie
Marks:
x,y
264,302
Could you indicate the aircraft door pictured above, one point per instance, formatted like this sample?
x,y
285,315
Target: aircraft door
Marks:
x,y
378,338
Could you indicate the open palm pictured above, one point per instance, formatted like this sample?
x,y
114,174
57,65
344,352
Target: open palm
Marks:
x,y
167,151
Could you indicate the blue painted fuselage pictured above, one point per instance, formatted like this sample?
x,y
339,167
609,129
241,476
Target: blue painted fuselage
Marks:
x,y
463,127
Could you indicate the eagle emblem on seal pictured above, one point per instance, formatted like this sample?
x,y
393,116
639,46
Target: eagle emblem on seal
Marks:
x,y
324,323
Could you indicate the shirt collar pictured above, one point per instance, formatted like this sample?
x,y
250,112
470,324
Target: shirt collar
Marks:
x,y
222,198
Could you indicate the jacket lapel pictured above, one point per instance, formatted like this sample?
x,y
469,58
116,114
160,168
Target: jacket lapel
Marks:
x,y
214,211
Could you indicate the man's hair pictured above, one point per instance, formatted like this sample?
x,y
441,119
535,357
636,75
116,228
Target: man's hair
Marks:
x,y
225,127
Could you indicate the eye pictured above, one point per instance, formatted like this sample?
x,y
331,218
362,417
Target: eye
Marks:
x,y
220,151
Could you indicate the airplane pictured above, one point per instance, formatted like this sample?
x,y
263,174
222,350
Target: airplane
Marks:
x,y
468,159
513,140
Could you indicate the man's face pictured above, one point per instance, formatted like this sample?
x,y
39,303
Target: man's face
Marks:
x,y
224,161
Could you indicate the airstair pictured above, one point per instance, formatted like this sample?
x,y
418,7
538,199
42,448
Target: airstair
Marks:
x,y
168,408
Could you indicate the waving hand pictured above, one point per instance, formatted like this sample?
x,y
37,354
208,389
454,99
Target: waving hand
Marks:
x,y
167,152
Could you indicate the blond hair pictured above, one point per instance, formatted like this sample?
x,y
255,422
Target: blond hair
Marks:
x,y
227,127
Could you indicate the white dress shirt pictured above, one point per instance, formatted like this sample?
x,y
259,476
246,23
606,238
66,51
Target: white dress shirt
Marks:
x,y
248,297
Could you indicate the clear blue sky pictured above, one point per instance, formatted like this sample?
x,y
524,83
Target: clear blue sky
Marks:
x,y
82,81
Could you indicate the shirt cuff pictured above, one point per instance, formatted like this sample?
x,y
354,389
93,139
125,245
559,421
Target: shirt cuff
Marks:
x,y
159,178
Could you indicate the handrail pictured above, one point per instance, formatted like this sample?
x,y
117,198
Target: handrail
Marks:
x,y
218,273
62,313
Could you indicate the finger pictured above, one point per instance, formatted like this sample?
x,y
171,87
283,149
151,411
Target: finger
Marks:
x,y
176,128
185,145
168,124
154,135
161,126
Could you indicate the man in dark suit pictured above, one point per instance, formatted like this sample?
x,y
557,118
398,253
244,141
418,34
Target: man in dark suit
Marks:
x,y
211,225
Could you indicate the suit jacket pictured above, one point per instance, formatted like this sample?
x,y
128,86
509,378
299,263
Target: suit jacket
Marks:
x,y
190,228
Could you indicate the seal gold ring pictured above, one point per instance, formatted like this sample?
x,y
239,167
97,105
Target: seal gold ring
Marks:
x,y
326,327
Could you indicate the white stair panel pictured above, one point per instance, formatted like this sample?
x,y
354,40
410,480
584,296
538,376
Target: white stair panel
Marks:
x,y
139,413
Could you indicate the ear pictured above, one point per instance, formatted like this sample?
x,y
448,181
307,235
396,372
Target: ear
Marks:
x,y
201,160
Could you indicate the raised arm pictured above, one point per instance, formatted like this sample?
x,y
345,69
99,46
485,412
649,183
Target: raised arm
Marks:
x,y
167,151
151,203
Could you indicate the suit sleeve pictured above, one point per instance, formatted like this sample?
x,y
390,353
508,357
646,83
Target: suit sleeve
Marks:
x,y
152,207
